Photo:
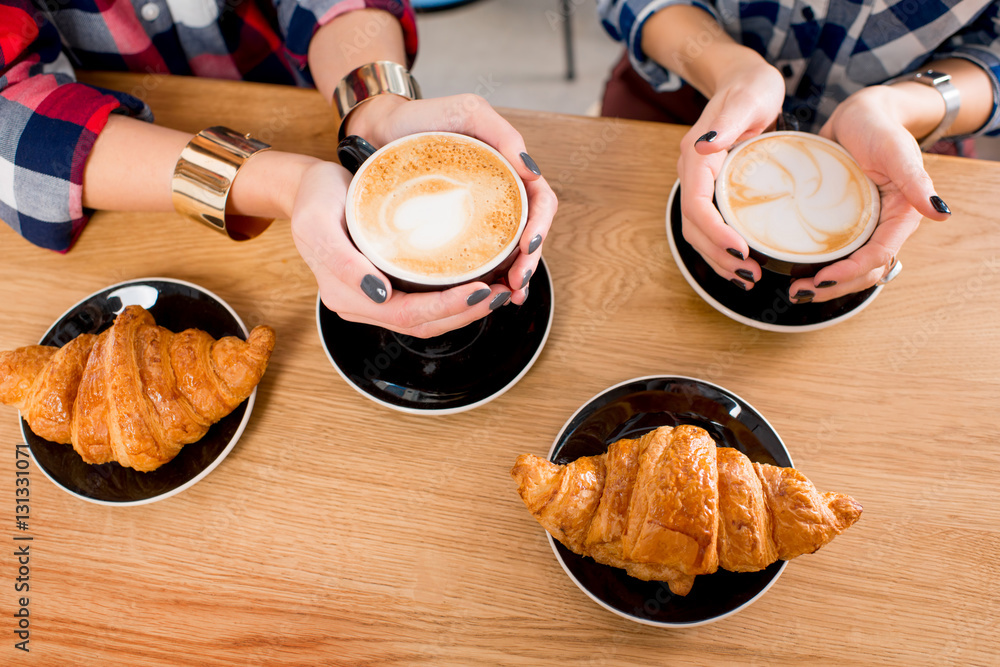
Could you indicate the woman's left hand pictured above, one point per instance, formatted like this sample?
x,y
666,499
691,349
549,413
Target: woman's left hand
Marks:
x,y
868,124
389,117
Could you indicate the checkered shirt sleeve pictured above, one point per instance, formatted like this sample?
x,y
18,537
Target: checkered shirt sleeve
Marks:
x,y
48,124
979,43
624,21
829,49
300,19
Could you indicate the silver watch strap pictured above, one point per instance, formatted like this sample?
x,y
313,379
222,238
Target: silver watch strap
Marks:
x,y
952,101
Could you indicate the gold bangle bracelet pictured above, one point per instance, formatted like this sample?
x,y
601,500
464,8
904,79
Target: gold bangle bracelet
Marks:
x,y
368,81
204,176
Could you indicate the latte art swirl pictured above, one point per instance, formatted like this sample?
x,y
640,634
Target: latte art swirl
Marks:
x,y
436,207
796,195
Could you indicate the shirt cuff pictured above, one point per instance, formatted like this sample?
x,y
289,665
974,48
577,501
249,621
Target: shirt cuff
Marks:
x,y
660,78
307,16
990,63
49,130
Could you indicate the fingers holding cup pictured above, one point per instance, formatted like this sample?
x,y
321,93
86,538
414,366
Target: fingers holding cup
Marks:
x,y
542,206
802,204
872,262
436,211
424,315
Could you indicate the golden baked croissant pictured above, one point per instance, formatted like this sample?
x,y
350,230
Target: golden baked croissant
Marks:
x,y
136,393
671,505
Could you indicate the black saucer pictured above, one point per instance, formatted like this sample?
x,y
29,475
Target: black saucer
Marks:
x,y
452,373
629,410
767,305
175,305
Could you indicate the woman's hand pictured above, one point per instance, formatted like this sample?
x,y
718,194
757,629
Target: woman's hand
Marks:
x,y
870,125
352,287
747,100
389,117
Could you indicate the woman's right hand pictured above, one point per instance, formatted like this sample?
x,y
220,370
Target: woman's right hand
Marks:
x,y
352,287
747,101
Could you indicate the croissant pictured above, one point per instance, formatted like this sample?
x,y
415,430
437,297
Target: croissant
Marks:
x,y
136,393
671,505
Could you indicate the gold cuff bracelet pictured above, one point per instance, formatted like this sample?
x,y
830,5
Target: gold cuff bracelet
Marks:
x,y
368,81
204,175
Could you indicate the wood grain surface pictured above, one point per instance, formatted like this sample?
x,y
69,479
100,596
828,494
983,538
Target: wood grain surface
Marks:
x,y
340,532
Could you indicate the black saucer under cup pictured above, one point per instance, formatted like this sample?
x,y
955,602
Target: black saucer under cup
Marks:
x,y
767,306
453,372
446,374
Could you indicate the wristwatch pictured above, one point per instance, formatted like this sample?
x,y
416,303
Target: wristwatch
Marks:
x,y
952,100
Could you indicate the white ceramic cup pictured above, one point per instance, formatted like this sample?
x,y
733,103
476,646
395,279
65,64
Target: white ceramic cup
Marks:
x,y
409,281
799,194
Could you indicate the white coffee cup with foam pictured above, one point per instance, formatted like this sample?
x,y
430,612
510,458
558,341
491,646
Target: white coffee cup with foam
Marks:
x,y
437,209
800,201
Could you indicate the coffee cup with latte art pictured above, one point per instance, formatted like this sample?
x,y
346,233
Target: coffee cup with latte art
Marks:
x,y
435,210
800,201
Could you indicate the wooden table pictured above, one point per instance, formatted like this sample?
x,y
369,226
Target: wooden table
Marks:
x,y
340,532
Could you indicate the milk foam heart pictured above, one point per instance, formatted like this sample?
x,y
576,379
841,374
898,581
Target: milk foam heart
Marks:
x,y
433,219
436,206
797,195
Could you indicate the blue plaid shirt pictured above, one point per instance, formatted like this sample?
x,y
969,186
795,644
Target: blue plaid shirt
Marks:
x,y
832,48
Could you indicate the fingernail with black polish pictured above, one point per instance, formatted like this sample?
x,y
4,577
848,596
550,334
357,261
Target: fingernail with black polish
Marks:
x,y
477,296
527,277
535,242
708,136
939,205
739,283
827,283
735,253
499,300
530,164
374,288
745,274
803,296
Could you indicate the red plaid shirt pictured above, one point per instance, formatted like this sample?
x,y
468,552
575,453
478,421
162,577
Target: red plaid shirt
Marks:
x,y
48,122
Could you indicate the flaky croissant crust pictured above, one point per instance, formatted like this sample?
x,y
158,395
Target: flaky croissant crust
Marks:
x,y
136,393
671,505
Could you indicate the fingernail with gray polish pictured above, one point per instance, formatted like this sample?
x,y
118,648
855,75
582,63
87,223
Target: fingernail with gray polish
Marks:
x,y
374,288
939,205
530,164
708,136
477,296
827,283
499,300
527,277
803,296
735,253
535,242
739,283
745,274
